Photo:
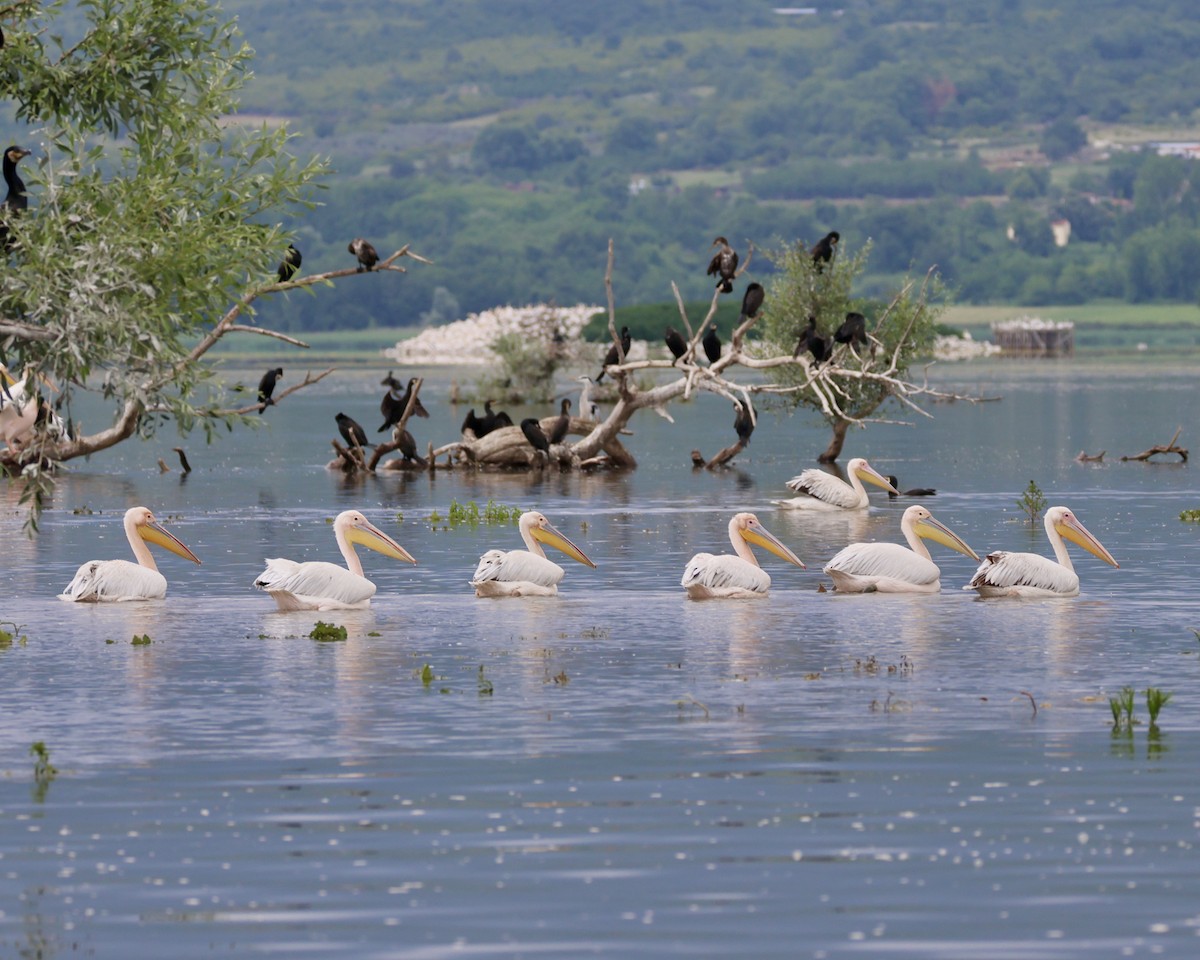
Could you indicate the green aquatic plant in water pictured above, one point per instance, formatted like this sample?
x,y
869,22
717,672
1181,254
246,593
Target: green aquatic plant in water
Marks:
x,y
1190,516
324,632
8,636
1122,709
1033,502
492,513
1156,699
486,688
142,641
44,771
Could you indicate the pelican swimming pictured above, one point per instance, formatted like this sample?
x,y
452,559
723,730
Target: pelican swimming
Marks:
x,y
317,585
526,573
709,577
104,581
891,568
1004,574
822,491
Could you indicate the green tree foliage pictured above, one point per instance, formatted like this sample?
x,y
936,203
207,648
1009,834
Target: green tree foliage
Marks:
x,y
148,215
901,330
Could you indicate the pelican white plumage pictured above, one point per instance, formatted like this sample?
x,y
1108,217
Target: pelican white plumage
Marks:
x,y
891,568
822,491
526,573
588,408
721,577
104,581
1004,574
317,585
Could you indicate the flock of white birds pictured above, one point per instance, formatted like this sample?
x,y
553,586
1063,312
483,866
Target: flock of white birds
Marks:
x,y
859,568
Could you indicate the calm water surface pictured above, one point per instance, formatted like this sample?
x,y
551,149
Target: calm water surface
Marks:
x,y
812,775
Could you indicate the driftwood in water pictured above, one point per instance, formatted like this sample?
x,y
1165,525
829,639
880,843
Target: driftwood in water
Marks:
x,y
1085,457
507,448
1163,448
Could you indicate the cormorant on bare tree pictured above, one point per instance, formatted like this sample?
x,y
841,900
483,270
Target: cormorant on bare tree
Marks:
x,y
822,252
472,423
752,301
290,265
367,257
266,387
743,422
408,448
712,344
820,347
183,460
394,403
494,420
562,424
675,343
723,265
535,435
853,330
611,357
351,431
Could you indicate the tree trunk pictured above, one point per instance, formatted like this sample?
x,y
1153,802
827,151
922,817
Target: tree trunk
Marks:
x,y
834,450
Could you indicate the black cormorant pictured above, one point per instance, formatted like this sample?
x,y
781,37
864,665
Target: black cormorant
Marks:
x,y
351,431
535,435
820,347
822,252
675,343
752,301
266,387
290,265
15,200
853,330
367,257
723,265
915,492
408,448
712,344
494,420
743,423
394,403
562,424
611,357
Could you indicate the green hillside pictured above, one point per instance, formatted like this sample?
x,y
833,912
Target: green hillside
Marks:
x,y
509,141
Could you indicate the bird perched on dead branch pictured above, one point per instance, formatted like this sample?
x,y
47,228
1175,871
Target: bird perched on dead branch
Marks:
x,y
367,257
820,347
407,445
290,265
562,424
853,331
675,343
266,387
723,265
824,249
351,431
752,301
535,435
611,357
394,403
743,422
712,344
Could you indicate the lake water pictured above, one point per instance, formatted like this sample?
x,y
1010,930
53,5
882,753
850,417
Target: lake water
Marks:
x,y
807,776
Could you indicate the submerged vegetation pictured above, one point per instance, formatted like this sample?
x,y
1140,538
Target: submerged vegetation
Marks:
x,y
324,632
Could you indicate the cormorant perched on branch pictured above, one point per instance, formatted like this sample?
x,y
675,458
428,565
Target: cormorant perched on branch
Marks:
x,y
675,343
367,257
408,448
611,357
290,265
915,492
819,346
15,200
266,387
822,252
712,344
853,330
562,424
495,420
743,423
535,435
752,301
351,431
724,265
394,403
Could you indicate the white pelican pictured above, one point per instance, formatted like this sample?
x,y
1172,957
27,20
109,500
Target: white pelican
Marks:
x,y
102,581
317,585
1004,574
588,408
822,491
526,573
709,577
891,568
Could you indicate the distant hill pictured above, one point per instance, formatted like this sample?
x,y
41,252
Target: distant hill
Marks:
x,y
508,141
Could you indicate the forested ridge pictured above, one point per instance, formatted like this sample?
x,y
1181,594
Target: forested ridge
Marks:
x,y
509,142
